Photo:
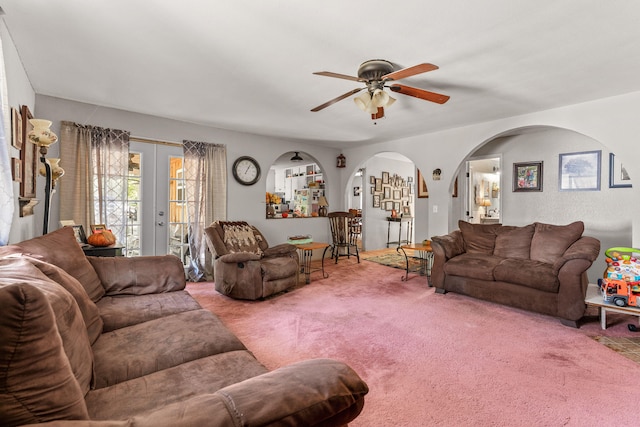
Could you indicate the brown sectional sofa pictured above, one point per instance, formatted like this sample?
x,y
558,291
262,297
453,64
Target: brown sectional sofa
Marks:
x,y
119,342
537,267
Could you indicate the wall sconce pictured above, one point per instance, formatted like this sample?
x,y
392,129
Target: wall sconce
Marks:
x,y
42,136
342,161
436,174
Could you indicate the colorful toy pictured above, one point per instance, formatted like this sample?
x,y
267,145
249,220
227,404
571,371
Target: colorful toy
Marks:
x,y
621,282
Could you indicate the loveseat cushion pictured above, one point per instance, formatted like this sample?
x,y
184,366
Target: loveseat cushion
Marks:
x,y
533,274
127,310
36,380
474,265
68,319
514,242
139,350
549,242
61,248
478,238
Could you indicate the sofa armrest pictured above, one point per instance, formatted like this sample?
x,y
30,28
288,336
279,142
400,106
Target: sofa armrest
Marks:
x,y
572,275
313,392
139,275
280,250
239,257
444,248
586,248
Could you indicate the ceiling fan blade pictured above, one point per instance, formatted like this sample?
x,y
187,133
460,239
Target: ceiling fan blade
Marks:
x,y
334,100
411,71
338,76
379,114
420,93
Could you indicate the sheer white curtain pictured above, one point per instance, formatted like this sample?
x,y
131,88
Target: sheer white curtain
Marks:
x,y
205,171
7,203
97,161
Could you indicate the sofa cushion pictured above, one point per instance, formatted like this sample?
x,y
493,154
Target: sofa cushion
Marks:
x,y
240,237
71,327
533,274
514,242
61,248
160,344
127,310
88,309
473,265
549,242
172,385
36,380
478,238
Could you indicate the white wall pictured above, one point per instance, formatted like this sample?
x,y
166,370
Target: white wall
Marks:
x,y
375,224
610,121
244,203
20,93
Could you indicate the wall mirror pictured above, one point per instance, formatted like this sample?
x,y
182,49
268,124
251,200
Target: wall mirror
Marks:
x,y
295,187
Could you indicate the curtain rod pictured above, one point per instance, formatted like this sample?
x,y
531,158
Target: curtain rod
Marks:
x,y
154,141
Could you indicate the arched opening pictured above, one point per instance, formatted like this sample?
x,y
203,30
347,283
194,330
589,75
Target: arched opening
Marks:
x,y
295,187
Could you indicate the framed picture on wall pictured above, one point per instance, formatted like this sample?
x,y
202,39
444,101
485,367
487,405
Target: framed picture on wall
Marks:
x,y
388,206
423,192
527,176
372,180
16,128
376,200
378,185
579,171
406,211
385,177
618,175
387,192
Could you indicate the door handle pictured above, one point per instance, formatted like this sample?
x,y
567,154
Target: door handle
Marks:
x,y
161,223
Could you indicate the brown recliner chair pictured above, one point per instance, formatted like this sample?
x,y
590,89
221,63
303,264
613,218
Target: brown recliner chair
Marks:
x,y
245,267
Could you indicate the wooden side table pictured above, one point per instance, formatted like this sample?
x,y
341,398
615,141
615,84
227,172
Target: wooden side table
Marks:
x,y
425,255
306,250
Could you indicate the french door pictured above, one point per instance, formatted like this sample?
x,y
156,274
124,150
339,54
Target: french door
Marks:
x,y
156,204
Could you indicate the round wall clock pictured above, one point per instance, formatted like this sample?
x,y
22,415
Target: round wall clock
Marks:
x,y
246,170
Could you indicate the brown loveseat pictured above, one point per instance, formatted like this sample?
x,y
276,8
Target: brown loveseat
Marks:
x,y
119,342
245,267
538,267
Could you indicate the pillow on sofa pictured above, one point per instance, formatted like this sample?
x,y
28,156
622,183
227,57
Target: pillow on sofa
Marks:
x,y
88,309
239,237
550,242
68,319
36,381
514,242
479,238
61,248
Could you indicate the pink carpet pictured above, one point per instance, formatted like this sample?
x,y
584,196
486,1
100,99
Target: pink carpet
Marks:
x,y
438,360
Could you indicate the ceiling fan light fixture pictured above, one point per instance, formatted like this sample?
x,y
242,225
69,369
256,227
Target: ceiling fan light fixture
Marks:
x,y
379,98
296,157
363,101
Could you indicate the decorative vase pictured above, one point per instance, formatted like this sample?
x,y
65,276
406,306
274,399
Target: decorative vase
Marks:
x,y
41,135
271,211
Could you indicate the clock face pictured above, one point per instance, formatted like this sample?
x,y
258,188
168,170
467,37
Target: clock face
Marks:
x,y
246,170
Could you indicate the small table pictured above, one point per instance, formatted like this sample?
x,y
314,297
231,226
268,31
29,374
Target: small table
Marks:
x,y
306,249
400,221
107,251
594,299
425,255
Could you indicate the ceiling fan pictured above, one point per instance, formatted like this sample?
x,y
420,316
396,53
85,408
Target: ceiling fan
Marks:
x,y
377,74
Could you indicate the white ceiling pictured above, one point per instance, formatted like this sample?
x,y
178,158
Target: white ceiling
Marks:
x,y
247,65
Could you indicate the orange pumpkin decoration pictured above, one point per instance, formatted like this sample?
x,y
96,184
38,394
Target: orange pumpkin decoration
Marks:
x,y
101,238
